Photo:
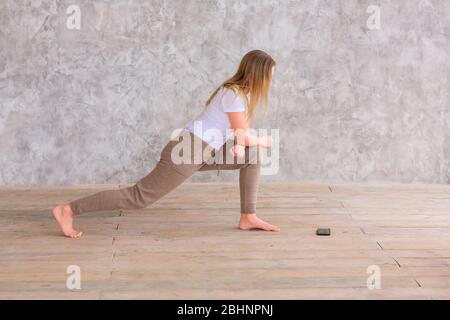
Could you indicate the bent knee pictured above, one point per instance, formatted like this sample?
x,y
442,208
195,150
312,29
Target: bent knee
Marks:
x,y
252,156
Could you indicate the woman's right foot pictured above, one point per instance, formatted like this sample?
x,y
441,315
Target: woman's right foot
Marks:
x,y
64,216
250,221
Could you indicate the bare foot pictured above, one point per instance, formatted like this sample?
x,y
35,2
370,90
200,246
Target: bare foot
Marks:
x,y
64,216
251,221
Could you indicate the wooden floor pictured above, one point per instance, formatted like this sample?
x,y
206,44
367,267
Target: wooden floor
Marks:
x,y
187,245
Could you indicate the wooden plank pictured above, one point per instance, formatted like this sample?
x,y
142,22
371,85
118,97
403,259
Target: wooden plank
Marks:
x,y
274,293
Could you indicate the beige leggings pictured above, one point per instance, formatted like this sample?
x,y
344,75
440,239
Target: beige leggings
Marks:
x,y
167,175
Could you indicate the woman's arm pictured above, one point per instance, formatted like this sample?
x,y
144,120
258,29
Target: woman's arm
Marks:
x,y
243,137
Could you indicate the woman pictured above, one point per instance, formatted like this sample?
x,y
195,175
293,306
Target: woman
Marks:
x,y
230,109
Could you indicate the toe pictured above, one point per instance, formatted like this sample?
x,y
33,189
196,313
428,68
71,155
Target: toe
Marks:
x,y
75,234
270,227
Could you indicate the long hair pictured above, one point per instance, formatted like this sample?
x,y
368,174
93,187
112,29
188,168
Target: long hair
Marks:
x,y
253,76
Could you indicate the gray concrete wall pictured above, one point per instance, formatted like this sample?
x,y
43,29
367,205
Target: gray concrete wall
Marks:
x,y
96,105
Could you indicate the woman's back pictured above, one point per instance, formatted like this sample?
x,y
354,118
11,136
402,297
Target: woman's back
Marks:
x,y
212,124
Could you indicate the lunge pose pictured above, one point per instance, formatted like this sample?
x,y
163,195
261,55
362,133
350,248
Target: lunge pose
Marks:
x,y
202,145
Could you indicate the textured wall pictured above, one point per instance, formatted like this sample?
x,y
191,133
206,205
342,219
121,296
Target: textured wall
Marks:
x,y
96,105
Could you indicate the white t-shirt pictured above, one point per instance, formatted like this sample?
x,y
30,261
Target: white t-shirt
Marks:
x,y
213,125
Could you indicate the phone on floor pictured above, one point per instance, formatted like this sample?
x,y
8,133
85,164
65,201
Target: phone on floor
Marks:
x,y
323,231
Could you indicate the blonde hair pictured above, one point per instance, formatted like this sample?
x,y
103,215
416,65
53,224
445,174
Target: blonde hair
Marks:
x,y
253,76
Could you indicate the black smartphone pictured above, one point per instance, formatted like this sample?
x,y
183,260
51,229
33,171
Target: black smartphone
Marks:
x,y
323,231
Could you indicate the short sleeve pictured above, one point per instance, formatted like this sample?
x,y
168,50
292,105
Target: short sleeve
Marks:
x,y
232,102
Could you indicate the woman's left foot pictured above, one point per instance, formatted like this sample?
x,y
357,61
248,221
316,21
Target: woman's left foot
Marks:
x,y
250,221
64,216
